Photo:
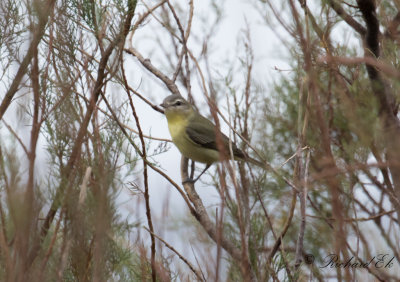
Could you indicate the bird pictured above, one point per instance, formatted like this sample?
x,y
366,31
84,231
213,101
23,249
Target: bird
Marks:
x,y
196,136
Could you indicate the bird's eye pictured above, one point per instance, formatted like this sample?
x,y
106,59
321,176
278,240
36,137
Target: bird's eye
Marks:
x,y
178,103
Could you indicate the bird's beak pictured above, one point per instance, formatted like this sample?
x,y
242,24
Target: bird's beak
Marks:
x,y
163,105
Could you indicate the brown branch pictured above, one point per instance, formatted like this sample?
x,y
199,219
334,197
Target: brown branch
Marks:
x,y
191,267
367,8
301,171
205,221
124,125
269,268
379,65
51,246
154,107
387,101
303,202
184,38
143,17
267,166
312,88
3,233
145,176
149,66
122,128
371,270
392,28
347,18
39,29
278,242
29,193
16,137
68,170
360,219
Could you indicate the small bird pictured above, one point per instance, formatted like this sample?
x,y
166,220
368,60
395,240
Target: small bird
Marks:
x,y
195,135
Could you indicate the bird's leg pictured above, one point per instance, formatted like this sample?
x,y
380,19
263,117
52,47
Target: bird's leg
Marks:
x,y
204,170
192,169
190,180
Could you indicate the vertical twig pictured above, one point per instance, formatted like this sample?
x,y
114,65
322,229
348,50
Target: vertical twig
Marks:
x,y
191,267
303,202
145,175
75,152
39,30
300,170
203,218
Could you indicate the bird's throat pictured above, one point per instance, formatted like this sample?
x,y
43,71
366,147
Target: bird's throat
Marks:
x,y
176,124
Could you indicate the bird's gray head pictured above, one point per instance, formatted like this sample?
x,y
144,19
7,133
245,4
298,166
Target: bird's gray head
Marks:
x,y
176,104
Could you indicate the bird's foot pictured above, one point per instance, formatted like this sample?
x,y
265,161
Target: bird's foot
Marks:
x,y
189,181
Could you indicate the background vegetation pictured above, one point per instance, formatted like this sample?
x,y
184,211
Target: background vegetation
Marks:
x,y
79,79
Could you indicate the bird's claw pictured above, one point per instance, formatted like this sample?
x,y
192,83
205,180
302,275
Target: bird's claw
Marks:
x,y
188,181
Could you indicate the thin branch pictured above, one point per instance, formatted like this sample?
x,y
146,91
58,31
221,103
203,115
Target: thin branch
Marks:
x,y
122,128
383,93
203,218
68,171
146,179
16,137
154,107
143,17
39,30
191,267
278,242
149,66
294,155
124,125
373,217
303,202
347,18
385,68
267,166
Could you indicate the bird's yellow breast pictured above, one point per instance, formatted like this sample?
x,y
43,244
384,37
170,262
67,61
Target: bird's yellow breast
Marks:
x,y
177,124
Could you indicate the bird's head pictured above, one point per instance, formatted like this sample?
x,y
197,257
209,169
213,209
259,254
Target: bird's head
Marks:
x,y
176,105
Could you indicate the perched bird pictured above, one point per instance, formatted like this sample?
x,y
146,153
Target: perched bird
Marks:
x,y
195,135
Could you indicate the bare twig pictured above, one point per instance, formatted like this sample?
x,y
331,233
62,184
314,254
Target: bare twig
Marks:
x,y
303,201
68,171
373,217
191,267
83,191
16,137
347,18
146,179
150,67
383,93
284,230
39,29
385,68
203,218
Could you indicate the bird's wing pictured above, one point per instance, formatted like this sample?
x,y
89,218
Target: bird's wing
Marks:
x,y
202,132
202,135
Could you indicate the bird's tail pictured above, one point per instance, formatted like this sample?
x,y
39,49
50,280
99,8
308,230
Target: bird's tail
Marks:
x,y
247,158
242,156
256,162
